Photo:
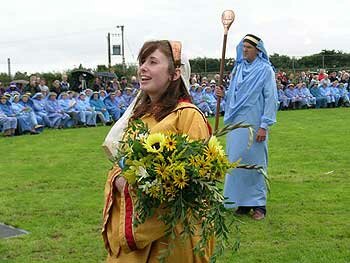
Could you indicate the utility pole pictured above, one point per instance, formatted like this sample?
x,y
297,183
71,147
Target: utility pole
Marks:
x,y
109,50
123,54
9,67
323,61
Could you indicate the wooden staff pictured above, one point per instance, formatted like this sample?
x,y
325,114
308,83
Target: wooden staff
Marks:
x,y
227,18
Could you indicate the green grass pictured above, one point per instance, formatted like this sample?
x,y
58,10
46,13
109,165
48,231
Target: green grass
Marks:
x,y
52,185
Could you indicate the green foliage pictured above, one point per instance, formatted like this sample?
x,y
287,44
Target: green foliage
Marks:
x,y
5,79
203,65
328,59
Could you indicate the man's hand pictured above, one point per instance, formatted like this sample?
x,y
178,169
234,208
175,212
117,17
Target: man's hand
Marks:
x,y
219,91
261,135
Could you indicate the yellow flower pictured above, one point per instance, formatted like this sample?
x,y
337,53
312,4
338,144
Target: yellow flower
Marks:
x,y
154,143
162,170
180,180
170,143
204,166
154,191
214,149
193,161
179,175
170,190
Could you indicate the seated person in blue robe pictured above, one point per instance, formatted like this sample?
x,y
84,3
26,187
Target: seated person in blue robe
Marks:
x,y
112,106
87,113
321,101
282,98
327,93
199,101
39,108
310,99
98,105
27,116
68,106
344,95
8,124
58,118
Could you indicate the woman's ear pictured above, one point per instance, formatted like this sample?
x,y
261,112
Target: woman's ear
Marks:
x,y
177,74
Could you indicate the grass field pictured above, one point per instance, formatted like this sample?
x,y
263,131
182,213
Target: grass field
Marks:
x,y
52,185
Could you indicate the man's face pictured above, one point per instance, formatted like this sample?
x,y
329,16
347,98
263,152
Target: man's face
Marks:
x,y
249,52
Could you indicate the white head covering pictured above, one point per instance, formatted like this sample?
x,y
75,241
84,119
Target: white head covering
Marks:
x,y
185,70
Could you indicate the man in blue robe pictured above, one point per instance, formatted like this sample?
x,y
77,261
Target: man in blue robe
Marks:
x,y
252,99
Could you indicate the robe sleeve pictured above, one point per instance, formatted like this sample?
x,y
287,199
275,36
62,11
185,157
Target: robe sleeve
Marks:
x,y
193,123
270,100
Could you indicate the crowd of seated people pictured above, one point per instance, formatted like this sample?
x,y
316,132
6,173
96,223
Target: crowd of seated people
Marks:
x,y
33,108
313,90
203,95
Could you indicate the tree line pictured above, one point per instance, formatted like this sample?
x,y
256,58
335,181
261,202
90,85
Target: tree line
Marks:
x,y
327,59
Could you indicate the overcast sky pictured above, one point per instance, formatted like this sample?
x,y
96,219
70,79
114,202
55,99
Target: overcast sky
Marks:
x,y
47,35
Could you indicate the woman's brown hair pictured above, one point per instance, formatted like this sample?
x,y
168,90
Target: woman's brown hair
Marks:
x,y
175,91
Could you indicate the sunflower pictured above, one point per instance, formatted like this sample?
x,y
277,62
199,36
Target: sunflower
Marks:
x,y
170,143
180,180
154,143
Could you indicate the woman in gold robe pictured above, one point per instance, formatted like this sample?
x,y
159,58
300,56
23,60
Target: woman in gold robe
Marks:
x,y
165,106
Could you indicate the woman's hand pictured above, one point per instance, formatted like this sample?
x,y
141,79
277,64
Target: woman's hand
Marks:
x,y
120,183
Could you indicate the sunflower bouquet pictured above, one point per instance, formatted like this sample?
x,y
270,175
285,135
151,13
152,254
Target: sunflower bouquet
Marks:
x,y
180,177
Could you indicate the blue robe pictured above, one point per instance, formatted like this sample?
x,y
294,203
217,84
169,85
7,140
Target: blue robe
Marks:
x,y
68,106
87,114
113,107
310,100
321,101
252,99
208,97
326,92
100,109
58,118
39,109
30,104
283,99
199,101
6,122
26,116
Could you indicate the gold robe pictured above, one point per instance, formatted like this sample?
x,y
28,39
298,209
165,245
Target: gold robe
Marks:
x,y
142,244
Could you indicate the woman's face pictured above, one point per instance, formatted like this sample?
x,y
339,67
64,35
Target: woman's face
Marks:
x,y
154,74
